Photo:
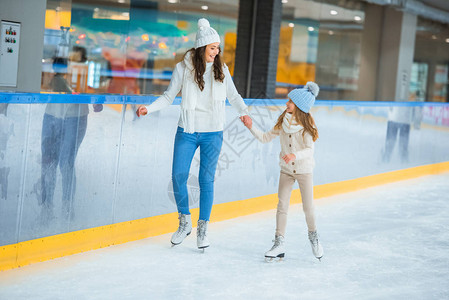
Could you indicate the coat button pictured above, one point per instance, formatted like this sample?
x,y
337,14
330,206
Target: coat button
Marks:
x,y
290,145
294,171
293,163
290,135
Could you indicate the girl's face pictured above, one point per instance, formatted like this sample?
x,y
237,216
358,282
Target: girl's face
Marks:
x,y
212,50
290,106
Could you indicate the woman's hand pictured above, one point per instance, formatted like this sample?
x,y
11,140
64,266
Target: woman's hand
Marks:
x,y
289,157
247,121
141,111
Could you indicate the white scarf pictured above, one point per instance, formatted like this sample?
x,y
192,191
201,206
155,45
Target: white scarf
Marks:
x,y
289,125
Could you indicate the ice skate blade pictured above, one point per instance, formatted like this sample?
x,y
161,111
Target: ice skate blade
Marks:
x,y
202,249
278,258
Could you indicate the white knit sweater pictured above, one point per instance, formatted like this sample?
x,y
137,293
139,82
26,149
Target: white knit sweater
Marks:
x,y
201,111
303,149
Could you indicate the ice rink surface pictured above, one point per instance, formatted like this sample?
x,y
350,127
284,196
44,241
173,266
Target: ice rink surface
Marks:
x,y
387,242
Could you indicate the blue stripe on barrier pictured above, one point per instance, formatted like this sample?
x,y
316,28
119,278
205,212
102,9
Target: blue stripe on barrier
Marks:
x,y
28,98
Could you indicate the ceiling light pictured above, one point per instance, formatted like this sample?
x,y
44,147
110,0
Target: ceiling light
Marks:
x,y
284,1
357,18
310,28
204,7
334,12
447,40
331,32
291,25
434,37
172,1
121,1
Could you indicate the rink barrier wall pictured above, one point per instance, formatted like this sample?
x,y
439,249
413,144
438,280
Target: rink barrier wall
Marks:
x,y
43,98
42,249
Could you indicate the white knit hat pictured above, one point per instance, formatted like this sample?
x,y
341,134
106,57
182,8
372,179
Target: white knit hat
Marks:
x,y
205,35
305,98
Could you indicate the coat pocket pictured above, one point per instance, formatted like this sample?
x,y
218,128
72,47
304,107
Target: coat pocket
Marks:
x,y
219,91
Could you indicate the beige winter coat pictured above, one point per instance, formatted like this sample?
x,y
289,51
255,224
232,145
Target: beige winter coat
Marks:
x,y
303,149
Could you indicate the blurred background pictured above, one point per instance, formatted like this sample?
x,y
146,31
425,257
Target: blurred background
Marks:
x,y
132,46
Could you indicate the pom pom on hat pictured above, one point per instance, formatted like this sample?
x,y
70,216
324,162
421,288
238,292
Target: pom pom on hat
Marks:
x,y
205,35
305,98
202,23
313,88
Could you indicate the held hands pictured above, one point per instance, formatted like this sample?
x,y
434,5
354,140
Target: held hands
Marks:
x,y
247,121
141,111
289,157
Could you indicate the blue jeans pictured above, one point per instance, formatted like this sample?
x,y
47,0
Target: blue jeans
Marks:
x,y
392,131
185,146
61,139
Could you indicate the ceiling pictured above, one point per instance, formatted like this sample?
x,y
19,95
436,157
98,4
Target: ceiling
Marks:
x,y
440,4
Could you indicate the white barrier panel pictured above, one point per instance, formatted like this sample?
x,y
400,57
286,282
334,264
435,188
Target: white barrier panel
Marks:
x,y
123,164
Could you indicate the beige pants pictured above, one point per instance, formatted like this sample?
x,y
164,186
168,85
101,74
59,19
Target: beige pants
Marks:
x,y
286,182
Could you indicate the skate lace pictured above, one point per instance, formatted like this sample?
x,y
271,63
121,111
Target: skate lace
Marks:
x,y
182,225
313,237
277,243
201,230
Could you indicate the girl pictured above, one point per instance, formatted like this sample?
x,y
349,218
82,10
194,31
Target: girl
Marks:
x,y
297,132
205,83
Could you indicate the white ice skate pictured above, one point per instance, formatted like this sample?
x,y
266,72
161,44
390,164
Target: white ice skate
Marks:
x,y
184,229
277,251
202,240
316,245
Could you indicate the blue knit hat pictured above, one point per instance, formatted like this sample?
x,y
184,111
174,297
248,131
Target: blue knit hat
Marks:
x,y
305,98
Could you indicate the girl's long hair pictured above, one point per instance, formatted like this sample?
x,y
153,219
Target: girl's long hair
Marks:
x,y
199,65
302,118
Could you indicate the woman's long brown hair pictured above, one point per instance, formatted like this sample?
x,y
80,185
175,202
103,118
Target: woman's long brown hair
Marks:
x,y
199,65
302,118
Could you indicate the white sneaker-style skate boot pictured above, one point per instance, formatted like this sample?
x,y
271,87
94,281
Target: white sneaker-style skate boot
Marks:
x,y
316,245
278,249
184,229
202,241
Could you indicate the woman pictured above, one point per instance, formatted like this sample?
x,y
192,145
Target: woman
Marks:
x,y
205,83
63,129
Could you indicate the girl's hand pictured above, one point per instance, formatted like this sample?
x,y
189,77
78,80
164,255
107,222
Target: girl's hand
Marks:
x,y
247,121
289,157
141,111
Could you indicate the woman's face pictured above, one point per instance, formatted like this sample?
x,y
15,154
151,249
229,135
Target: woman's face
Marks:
x,y
75,56
290,106
212,50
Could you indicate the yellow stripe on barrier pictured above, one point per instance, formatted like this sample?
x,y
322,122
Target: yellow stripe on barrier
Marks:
x,y
335,188
32,251
8,257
